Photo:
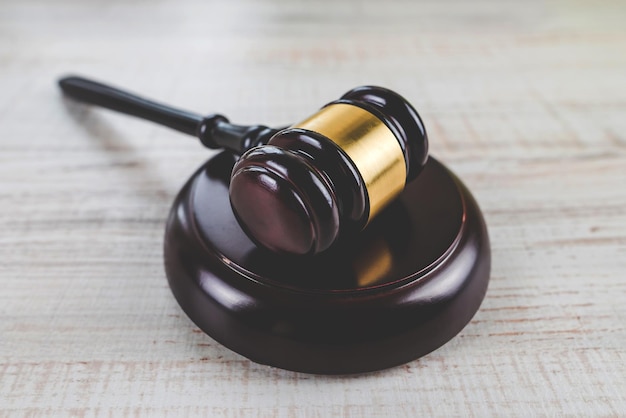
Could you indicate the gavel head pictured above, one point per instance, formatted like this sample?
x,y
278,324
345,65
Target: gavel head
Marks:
x,y
329,174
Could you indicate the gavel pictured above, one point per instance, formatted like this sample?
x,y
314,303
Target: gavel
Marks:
x,y
242,230
297,190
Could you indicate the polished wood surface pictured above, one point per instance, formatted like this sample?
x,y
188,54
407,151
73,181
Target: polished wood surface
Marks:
x,y
321,177
523,100
398,290
331,174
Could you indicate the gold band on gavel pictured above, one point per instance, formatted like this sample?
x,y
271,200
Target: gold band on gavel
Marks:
x,y
369,143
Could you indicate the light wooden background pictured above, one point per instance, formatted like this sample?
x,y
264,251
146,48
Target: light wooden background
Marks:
x,y
525,101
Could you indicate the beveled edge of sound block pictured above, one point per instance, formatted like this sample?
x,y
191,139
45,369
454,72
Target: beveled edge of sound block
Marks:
x,y
322,331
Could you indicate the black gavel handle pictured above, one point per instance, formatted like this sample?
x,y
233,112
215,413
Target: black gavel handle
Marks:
x,y
214,131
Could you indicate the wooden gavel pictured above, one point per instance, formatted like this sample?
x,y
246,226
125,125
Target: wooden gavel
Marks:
x,y
374,299
296,190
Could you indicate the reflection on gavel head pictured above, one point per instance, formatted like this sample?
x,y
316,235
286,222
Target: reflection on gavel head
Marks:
x,y
297,190
329,174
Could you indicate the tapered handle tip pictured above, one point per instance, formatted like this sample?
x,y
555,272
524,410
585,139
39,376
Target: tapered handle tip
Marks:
x,y
66,81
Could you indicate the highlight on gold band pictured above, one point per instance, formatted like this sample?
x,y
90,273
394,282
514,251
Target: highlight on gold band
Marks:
x,y
369,143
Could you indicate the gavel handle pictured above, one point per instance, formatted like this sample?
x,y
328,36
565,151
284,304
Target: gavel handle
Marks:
x,y
214,131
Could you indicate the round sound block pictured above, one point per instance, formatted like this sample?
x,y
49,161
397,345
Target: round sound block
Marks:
x,y
396,291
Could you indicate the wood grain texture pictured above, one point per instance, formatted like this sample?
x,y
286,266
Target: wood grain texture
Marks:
x,y
525,101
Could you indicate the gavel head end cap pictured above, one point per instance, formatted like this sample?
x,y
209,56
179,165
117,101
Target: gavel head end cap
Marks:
x,y
282,202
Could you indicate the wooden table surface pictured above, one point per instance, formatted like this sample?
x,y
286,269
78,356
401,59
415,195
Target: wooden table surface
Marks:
x,y
525,101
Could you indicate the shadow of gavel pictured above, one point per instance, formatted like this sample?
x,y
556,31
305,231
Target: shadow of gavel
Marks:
x,y
297,190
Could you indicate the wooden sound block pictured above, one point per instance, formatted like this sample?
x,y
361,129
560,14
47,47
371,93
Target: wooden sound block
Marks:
x,y
398,290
